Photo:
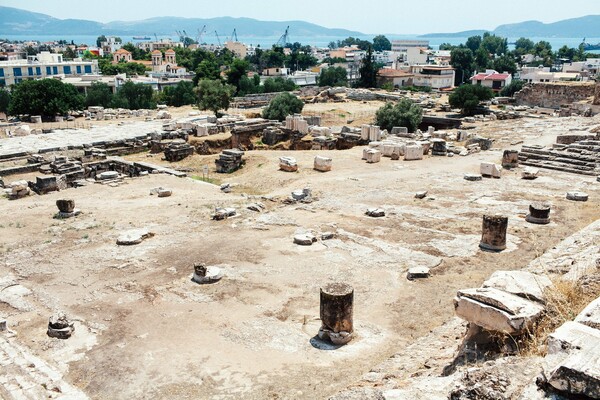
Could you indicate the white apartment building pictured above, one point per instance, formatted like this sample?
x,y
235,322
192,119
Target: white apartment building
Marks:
x,y
44,65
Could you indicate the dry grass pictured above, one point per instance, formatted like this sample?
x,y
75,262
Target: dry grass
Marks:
x,y
564,301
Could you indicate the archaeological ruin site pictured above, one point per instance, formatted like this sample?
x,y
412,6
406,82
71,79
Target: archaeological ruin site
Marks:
x,y
171,254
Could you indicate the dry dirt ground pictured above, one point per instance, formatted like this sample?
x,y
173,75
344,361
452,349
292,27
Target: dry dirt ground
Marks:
x,y
145,330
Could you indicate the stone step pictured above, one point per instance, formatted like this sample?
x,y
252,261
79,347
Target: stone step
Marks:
x,y
559,168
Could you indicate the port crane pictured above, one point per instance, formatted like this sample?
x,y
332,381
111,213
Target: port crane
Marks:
x,y
284,39
218,38
200,33
234,35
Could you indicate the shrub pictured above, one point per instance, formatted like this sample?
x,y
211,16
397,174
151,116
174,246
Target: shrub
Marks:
x,y
404,113
283,105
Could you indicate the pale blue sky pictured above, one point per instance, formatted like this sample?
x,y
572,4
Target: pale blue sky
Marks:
x,y
383,16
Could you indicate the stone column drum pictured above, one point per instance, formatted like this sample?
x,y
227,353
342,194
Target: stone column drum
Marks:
x,y
510,159
493,232
539,213
337,302
65,206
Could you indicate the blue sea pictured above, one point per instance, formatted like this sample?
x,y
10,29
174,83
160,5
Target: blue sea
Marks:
x,y
320,41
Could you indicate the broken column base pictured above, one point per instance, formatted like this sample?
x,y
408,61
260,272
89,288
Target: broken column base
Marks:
x,y
63,215
59,327
337,338
208,274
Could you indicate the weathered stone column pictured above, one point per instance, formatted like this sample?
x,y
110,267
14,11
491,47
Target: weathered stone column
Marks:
x,y
65,206
336,309
539,213
493,232
60,327
510,159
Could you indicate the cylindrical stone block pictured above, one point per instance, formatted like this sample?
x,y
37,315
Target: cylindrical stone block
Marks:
x,y
510,159
65,206
493,232
336,309
539,213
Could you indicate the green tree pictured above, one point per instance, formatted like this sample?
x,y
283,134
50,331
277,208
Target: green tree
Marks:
x,y
134,96
214,95
462,60
473,43
482,58
403,113
207,69
381,43
494,44
99,94
367,71
278,84
468,97
332,45
446,46
524,46
179,95
100,39
4,100
543,49
505,63
45,97
333,76
283,105
237,69
512,88
69,53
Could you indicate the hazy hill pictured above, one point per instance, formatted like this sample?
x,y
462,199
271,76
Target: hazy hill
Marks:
x,y
15,21
588,26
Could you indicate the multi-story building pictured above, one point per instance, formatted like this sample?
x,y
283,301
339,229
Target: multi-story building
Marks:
x,y
402,45
162,44
44,65
238,48
492,79
434,76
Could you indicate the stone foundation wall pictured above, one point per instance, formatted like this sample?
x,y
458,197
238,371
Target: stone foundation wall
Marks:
x,y
597,95
555,94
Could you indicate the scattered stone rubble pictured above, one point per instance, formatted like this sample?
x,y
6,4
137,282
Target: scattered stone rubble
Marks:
x,y
161,192
322,163
224,213
17,190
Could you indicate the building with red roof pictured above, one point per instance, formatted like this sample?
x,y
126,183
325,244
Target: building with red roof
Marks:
x,y
492,79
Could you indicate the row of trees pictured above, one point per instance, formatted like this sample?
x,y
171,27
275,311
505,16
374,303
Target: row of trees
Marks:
x,y
379,43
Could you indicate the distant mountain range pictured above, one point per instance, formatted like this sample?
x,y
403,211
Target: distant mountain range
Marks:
x,y
588,26
14,21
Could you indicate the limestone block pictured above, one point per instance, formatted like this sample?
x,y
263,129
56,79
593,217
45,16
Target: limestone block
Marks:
x,y
375,212
323,164
590,316
530,173
107,175
413,152
304,239
134,236
572,336
417,273
577,196
521,283
288,164
473,177
18,186
23,130
496,310
373,156
223,213
578,374
421,195
490,170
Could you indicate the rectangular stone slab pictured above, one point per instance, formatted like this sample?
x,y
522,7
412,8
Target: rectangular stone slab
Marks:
x,y
521,283
573,336
497,311
590,316
579,373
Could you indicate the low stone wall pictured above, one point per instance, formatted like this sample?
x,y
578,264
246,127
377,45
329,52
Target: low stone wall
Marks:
x,y
554,94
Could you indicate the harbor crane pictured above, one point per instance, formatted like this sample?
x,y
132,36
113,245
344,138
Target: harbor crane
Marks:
x,y
234,35
284,39
218,38
200,33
